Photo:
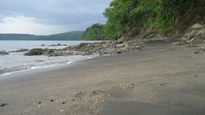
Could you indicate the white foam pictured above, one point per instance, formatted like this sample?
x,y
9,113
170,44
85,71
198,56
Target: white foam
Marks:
x,y
46,66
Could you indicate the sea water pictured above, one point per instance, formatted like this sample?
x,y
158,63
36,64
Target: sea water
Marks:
x,y
16,61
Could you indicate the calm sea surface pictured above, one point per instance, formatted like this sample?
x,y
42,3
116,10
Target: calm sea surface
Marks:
x,y
17,61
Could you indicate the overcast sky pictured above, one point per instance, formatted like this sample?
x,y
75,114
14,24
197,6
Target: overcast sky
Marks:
x,y
50,16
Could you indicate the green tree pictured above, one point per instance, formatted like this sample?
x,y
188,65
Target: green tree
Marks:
x,y
124,15
95,32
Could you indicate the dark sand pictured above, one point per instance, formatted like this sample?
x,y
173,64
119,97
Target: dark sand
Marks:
x,y
159,80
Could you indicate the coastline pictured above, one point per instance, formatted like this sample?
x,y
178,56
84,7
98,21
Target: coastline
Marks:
x,y
12,57
157,78
39,68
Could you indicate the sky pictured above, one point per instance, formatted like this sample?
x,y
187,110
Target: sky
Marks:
x,y
43,17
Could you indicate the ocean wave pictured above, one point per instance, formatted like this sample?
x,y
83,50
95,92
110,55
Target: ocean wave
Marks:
x,y
14,69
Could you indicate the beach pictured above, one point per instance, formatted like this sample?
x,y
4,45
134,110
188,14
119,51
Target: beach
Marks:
x,y
161,79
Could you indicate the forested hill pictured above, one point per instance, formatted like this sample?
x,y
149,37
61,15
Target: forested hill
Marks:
x,y
171,17
95,32
164,15
74,35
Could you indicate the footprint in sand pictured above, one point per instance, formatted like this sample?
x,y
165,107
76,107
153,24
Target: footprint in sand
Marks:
x,y
162,84
4,104
39,102
52,100
64,102
196,76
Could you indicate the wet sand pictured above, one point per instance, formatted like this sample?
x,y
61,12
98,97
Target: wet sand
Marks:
x,y
159,80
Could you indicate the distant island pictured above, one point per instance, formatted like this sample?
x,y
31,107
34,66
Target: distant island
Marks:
x,y
74,35
94,32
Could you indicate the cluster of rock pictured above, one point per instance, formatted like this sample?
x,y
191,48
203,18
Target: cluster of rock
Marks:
x,y
194,36
98,48
4,53
53,45
7,53
195,33
20,50
57,45
126,43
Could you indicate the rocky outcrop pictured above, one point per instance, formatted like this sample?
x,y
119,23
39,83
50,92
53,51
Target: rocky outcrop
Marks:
x,y
4,53
127,42
195,33
39,51
20,50
53,45
98,48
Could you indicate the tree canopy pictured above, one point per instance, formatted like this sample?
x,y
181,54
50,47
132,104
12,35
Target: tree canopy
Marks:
x,y
95,32
124,15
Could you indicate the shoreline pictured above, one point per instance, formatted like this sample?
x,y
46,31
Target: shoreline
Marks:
x,y
38,68
13,59
144,82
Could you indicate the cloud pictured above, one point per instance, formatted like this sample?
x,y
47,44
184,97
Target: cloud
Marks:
x,y
27,25
60,14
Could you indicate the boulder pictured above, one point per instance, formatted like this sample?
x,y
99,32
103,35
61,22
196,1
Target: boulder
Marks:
x,y
4,53
202,48
20,50
195,33
178,43
53,45
101,48
36,51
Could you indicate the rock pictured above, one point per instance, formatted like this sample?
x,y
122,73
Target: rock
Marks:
x,y
162,84
119,52
196,76
49,52
196,52
4,53
191,45
133,33
4,104
177,43
82,45
39,102
131,86
39,60
196,26
99,48
139,47
43,45
37,51
61,110
20,50
57,45
120,45
195,33
53,45
64,102
52,100
94,92
202,48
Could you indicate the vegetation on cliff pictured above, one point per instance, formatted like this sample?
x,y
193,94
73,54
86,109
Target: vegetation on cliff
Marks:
x,y
125,15
95,32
